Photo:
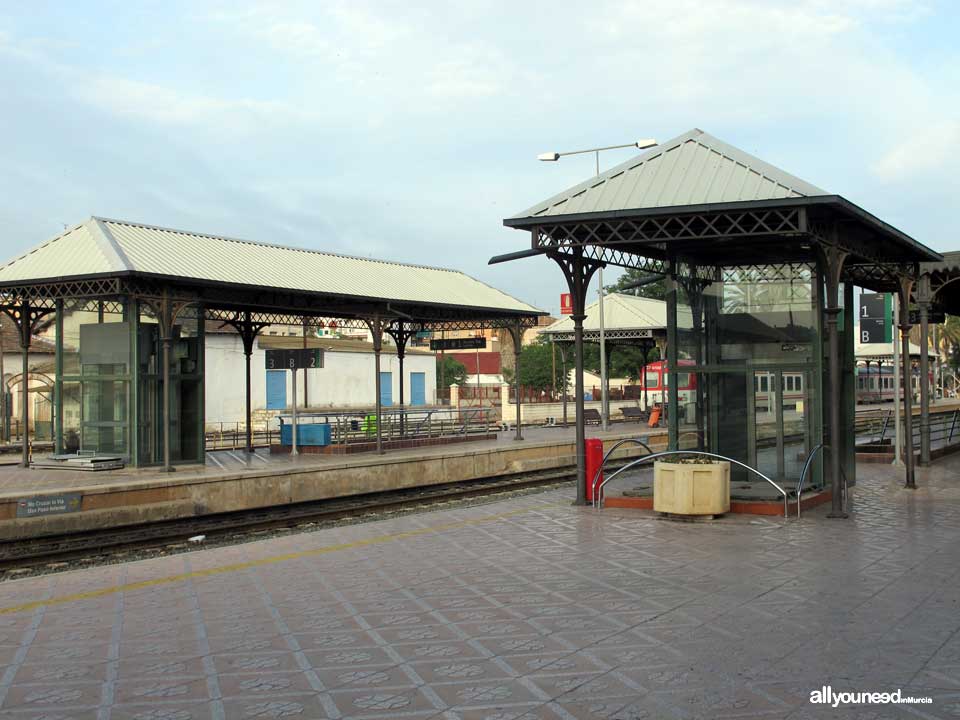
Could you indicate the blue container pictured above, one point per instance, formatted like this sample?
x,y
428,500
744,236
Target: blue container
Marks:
x,y
317,434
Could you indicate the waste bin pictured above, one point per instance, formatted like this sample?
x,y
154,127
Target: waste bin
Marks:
x,y
593,454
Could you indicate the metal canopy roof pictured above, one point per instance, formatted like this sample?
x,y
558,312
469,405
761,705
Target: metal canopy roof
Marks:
x,y
711,204
102,248
692,169
625,317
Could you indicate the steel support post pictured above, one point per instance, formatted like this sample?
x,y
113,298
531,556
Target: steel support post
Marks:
x,y
376,330
833,259
58,383
604,374
578,319
247,409
25,327
924,304
167,345
672,395
578,271
906,286
517,333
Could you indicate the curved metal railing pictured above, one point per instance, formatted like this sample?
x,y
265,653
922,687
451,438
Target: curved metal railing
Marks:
x,y
598,496
806,467
803,473
606,456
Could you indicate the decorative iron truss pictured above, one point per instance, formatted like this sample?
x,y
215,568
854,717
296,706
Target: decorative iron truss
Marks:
x,y
319,322
864,266
604,240
881,277
619,337
224,304
46,294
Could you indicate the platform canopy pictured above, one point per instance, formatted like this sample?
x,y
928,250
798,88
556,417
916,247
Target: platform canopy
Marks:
x,y
764,263
707,203
625,318
108,258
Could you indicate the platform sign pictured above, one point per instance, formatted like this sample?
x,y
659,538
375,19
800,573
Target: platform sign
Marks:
x,y
876,323
566,304
467,343
48,505
294,359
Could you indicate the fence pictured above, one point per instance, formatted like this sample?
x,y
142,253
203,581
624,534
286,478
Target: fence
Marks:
x,y
401,424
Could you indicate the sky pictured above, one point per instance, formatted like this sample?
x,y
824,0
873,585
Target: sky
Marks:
x,y
409,130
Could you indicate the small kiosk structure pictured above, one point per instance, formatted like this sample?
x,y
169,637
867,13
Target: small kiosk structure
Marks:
x,y
761,268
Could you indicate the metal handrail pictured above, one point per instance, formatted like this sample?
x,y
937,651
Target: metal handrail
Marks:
x,y
606,456
598,498
806,466
803,473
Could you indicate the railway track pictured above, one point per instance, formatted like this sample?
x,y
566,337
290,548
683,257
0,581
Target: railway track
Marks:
x,y
24,558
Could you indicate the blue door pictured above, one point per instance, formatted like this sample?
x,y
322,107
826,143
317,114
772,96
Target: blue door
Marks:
x,y
386,389
418,388
276,389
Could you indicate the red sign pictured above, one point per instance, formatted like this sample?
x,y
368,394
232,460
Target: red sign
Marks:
x,y
566,304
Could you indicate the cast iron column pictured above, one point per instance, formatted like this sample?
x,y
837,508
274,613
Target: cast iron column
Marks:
x,y
376,329
833,258
906,285
25,327
924,304
578,271
517,333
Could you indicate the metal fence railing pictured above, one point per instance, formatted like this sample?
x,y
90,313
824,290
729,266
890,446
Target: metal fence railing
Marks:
x,y
354,427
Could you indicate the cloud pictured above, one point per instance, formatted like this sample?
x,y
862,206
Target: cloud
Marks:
x,y
163,105
922,153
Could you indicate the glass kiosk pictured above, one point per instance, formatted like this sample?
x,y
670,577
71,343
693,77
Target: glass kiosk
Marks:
x,y
751,337
110,404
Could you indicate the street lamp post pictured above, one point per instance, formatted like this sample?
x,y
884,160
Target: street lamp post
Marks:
x,y
553,157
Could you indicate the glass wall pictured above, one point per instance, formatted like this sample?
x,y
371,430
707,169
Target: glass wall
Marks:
x,y
747,366
95,343
186,388
110,388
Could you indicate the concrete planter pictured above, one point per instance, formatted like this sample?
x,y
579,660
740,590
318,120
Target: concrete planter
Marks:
x,y
691,489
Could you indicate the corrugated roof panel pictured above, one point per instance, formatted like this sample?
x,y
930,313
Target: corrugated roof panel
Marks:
x,y
101,246
674,184
694,168
718,188
751,184
201,257
81,250
696,171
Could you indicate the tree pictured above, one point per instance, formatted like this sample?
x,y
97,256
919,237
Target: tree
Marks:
x,y
451,370
537,366
656,290
624,361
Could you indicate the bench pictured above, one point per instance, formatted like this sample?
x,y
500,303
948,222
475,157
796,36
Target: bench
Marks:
x,y
634,413
591,415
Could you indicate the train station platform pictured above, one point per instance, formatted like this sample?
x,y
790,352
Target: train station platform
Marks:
x,y
230,481
527,608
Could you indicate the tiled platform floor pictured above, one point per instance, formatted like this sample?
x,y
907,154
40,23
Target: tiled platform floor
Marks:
x,y
522,609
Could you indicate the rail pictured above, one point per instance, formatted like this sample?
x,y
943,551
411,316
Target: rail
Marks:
x,y
803,473
598,496
806,468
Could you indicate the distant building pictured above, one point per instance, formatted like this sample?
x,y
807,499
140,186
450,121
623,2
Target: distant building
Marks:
x,y
346,381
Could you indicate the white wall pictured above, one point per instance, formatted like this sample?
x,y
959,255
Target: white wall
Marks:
x,y
346,380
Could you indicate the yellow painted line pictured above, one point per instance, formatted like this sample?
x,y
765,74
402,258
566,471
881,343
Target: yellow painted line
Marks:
x,y
210,572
